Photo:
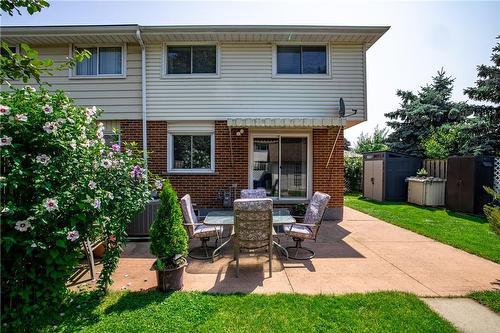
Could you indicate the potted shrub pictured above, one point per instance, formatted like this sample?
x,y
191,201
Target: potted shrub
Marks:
x,y
169,241
299,210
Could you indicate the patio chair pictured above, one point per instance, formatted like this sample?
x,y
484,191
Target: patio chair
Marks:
x,y
309,228
253,228
259,193
198,230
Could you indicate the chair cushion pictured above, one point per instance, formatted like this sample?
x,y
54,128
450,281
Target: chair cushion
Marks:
x,y
259,193
190,218
202,231
316,208
299,231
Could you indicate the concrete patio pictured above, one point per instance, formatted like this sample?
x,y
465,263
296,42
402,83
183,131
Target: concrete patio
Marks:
x,y
359,254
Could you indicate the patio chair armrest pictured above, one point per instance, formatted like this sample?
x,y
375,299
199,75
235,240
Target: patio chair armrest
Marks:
x,y
192,224
306,224
311,226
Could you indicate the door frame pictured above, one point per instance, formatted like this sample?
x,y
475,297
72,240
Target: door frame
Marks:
x,y
278,133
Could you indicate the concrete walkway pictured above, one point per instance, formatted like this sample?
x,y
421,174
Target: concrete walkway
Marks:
x,y
465,314
359,254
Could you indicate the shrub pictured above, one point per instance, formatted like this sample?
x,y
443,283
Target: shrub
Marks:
x,y
299,209
376,142
353,173
60,185
169,240
492,210
422,172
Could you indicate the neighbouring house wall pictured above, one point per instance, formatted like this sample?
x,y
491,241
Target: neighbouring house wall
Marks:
x,y
246,87
232,169
120,98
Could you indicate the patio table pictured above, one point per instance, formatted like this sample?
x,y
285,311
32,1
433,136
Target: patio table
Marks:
x,y
281,216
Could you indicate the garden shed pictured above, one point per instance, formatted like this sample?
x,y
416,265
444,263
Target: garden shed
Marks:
x,y
466,177
385,173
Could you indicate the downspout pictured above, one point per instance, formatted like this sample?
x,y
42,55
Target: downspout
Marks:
x,y
143,94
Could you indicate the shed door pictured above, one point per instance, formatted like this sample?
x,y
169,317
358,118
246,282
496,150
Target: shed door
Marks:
x,y
378,180
367,180
373,179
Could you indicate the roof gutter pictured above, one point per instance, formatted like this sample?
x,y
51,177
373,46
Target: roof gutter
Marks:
x,y
143,96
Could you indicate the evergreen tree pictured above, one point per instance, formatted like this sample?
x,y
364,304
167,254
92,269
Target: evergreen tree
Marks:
x,y
422,113
169,240
483,129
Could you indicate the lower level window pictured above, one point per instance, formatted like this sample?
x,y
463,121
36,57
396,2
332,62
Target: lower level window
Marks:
x,y
191,152
280,165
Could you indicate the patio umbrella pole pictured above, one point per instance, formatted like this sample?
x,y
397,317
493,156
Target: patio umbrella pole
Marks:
x,y
333,148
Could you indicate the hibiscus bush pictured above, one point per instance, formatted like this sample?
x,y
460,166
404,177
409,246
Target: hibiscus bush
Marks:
x,y
60,184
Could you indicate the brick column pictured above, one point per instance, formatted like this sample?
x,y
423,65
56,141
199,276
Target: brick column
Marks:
x,y
329,179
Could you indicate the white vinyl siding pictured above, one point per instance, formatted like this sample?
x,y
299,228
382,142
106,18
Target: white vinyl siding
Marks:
x,y
120,98
247,88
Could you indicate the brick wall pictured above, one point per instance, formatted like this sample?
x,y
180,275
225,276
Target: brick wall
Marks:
x,y
329,179
231,167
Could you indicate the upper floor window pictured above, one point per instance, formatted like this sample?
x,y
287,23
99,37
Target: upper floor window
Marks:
x,y
301,59
5,53
191,59
103,61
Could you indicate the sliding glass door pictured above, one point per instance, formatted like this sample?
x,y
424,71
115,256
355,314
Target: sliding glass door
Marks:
x,y
280,165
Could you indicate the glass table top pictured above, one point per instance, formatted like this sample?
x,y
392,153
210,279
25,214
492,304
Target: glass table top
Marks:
x,y
226,217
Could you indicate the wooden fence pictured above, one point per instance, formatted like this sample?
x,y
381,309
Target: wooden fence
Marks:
x,y
436,168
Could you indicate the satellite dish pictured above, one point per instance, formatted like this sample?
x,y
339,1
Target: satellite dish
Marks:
x,y
341,108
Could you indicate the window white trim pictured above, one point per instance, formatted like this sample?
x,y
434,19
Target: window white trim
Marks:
x,y
190,129
72,71
275,74
278,134
165,75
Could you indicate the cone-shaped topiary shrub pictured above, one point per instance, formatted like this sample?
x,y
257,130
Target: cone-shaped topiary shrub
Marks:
x,y
169,241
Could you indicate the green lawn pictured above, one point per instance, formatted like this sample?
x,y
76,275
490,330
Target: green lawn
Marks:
x,y
200,312
489,298
466,232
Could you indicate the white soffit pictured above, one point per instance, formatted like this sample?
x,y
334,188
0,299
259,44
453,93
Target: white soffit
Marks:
x,y
285,122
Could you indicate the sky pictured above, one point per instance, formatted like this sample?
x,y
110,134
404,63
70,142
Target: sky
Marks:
x,y
424,37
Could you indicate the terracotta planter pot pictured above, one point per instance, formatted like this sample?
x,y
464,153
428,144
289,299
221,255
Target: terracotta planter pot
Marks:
x,y
99,251
171,279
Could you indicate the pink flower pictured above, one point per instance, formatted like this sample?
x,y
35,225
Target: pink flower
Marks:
x,y
115,147
73,235
29,89
158,184
92,185
106,163
4,110
22,225
21,117
137,172
50,127
96,204
43,159
51,204
5,141
47,108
